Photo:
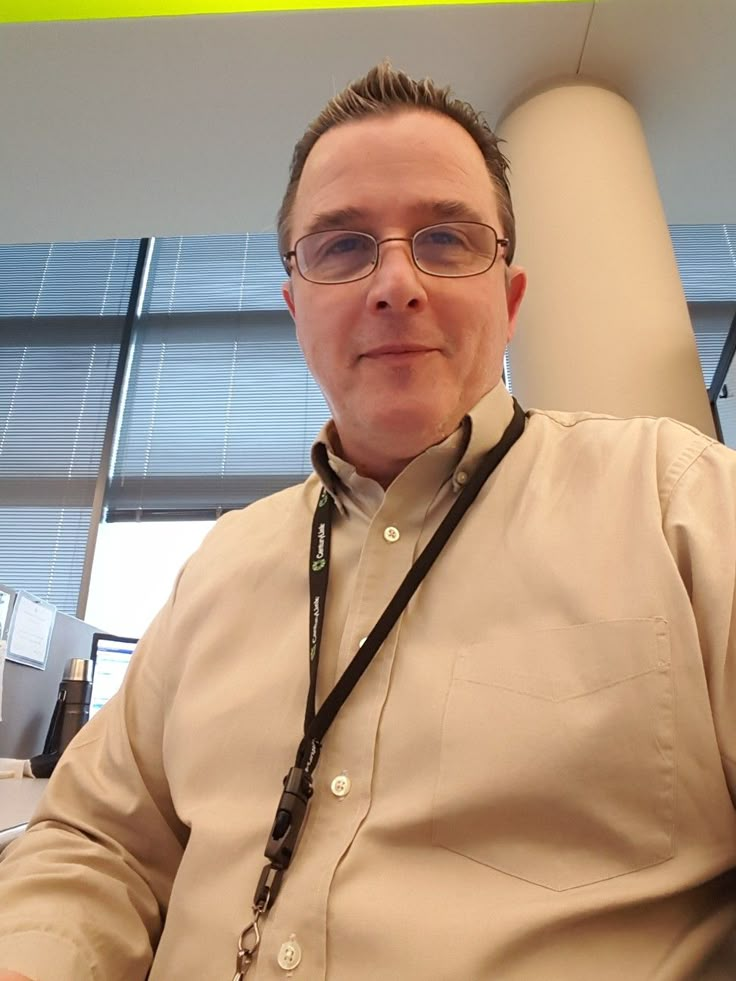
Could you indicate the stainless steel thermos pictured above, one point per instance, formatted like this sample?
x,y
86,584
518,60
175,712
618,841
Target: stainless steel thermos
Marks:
x,y
72,705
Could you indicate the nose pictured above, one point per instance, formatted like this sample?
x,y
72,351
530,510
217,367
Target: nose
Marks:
x,y
396,286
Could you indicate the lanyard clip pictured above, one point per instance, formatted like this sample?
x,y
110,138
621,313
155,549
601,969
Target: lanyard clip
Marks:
x,y
289,818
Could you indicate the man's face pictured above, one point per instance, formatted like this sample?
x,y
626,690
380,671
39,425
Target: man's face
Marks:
x,y
401,356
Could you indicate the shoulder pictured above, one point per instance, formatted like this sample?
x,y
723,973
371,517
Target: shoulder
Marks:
x,y
597,429
664,447
600,425
256,534
292,503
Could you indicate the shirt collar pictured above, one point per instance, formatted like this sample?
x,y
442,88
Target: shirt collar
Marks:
x,y
484,425
454,458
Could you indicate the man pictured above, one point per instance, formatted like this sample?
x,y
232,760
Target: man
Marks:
x,y
532,777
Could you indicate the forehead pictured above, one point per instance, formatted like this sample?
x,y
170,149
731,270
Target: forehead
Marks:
x,y
391,168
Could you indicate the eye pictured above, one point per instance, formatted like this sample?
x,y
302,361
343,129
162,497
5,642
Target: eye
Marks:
x,y
443,236
448,239
344,244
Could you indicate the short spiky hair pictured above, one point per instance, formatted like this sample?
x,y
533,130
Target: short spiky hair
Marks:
x,y
386,90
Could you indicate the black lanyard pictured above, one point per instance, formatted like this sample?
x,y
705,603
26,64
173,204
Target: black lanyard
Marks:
x,y
292,807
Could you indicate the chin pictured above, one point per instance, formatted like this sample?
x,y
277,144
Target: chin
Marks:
x,y
419,423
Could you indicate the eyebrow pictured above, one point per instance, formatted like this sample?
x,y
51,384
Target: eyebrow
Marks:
x,y
339,218
443,210
448,210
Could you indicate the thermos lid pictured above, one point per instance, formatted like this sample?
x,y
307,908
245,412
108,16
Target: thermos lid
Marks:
x,y
78,669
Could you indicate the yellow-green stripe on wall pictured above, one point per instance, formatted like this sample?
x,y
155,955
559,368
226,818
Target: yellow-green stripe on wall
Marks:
x,y
28,11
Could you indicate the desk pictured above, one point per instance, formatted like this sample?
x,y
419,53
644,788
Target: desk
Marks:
x,y
18,799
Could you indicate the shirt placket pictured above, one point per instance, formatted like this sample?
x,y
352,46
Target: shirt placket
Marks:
x,y
295,934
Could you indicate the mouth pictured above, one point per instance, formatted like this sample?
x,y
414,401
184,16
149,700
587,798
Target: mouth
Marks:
x,y
397,352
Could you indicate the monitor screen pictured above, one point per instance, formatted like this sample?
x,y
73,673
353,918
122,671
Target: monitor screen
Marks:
x,y
110,655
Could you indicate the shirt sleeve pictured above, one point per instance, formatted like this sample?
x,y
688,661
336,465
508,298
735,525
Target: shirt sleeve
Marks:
x,y
84,892
699,521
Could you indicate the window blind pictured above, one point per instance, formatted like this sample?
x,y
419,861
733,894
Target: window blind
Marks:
x,y
215,274
62,312
220,408
711,323
706,259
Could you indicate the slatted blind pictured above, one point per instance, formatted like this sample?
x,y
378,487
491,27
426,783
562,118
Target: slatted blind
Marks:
x,y
220,408
62,310
706,259
710,346
216,274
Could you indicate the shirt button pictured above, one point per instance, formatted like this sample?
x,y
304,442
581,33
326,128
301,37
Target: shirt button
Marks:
x,y
461,477
290,955
341,785
391,534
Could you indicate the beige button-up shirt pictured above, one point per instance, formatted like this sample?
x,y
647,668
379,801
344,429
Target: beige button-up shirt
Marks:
x,y
532,781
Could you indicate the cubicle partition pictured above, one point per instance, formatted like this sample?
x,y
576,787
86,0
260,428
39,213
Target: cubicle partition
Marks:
x,y
29,694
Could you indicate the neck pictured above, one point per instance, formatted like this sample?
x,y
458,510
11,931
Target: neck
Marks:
x,y
379,464
383,472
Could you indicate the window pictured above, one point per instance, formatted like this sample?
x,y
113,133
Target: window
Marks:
x,y
220,408
136,563
62,313
706,256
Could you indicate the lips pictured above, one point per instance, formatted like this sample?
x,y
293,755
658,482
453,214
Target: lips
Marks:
x,y
397,350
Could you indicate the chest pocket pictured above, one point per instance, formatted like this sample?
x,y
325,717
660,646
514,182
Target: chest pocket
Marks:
x,y
557,762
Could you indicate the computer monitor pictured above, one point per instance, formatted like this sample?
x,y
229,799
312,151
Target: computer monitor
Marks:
x,y
110,655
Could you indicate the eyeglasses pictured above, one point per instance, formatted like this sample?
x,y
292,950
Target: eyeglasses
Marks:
x,y
454,250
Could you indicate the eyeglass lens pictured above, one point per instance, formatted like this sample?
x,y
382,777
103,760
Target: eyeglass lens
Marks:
x,y
453,249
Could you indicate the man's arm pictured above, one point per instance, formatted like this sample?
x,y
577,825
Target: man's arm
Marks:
x,y
86,888
13,976
699,521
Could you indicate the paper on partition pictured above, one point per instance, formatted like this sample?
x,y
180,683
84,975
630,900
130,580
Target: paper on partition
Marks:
x,y
3,645
5,604
30,631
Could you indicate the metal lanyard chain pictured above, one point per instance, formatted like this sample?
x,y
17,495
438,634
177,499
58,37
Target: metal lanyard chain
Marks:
x,y
298,789
250,937
246,953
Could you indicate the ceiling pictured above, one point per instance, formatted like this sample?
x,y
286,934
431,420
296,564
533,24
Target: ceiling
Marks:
x,y
185,125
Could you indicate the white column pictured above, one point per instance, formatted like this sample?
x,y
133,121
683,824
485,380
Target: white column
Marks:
x,y
604,326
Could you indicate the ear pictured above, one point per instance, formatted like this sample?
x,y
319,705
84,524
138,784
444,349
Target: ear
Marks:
x,y
288,296
515,290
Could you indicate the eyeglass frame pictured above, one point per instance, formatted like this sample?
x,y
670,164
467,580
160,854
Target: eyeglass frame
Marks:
x,y
287,256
